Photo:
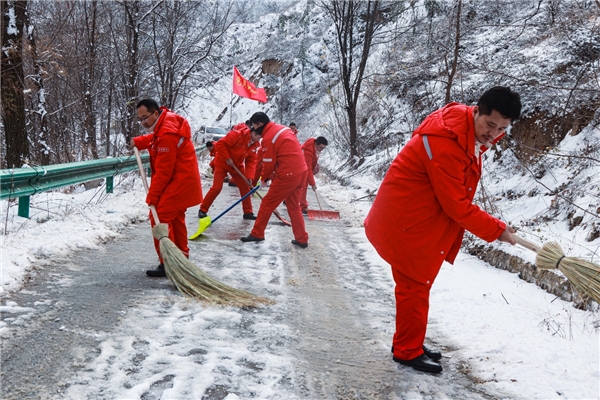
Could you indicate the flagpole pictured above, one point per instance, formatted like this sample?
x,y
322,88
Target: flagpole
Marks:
x,y
230,109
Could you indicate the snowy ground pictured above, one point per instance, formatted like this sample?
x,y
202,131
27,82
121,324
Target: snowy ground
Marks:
x,y
510,338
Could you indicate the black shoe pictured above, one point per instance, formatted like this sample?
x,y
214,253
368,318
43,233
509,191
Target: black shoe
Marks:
x,y
297,243
251,238
232,184
305,212
433,354
421,363
159,272
249,216
202,214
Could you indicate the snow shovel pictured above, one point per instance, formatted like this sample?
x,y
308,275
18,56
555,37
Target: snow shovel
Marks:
x,y
320,214
279,217
205,222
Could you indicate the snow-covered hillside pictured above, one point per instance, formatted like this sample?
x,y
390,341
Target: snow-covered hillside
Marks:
x,y
542,178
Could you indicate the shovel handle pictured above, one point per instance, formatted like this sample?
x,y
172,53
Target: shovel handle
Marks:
x,y
527,244
318,201
144,181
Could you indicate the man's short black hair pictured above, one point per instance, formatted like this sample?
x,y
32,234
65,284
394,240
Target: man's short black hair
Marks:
x,y
321,140
150,105
292,124
259,117
501,99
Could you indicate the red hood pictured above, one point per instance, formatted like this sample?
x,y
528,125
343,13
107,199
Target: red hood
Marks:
x,y
169,122
451,121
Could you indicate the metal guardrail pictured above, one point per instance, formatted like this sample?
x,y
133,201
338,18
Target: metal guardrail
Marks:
x,y
22,183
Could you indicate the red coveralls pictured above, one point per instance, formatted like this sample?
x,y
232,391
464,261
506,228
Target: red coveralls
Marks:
x,y
238,146
284,164
175,183
311,156
420,214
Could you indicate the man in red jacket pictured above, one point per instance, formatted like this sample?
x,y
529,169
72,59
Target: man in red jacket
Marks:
x,y
238,148
311,149
424,205
175,184
283,164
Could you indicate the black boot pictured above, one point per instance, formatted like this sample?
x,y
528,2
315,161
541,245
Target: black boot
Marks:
x,y
159,272
249,216
201,214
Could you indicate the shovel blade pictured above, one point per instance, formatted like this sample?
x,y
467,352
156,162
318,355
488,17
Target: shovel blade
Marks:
x,y
323,215
203,223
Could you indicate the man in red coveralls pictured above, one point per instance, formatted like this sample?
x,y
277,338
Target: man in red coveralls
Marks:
x,y
311,149
175,184
238,148
283,164
424,205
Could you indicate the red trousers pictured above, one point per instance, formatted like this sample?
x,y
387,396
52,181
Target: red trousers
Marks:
x,y
303,201
177,229
281,189
412,309
219,177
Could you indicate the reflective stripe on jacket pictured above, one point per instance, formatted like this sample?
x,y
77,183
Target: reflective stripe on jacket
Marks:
x,y
281,153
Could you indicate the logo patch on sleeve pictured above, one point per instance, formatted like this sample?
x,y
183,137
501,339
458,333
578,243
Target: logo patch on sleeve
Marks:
x,y
163,149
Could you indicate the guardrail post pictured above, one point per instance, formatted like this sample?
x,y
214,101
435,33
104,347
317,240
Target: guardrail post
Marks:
x,y
109,184
23,207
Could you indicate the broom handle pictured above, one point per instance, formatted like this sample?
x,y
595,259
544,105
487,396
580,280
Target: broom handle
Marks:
x,y
527,244
318,201
144,181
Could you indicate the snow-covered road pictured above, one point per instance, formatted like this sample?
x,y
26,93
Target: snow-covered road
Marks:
x,y
91,325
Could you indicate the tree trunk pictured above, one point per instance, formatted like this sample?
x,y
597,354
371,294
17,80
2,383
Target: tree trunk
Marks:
x,y
38,114
89,124
132,10
452,71
12,85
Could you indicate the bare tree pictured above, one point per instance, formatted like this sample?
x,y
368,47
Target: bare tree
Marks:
x,y
184,36
356,23
12,85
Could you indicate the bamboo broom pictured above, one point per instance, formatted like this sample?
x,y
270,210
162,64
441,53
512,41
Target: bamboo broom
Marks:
x,y
583,274
187,277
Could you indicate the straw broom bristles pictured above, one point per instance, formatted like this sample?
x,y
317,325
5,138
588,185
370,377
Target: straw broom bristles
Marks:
x,y
582,274
193,282
188,278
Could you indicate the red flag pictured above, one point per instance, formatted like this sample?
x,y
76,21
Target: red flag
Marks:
x,y
243,87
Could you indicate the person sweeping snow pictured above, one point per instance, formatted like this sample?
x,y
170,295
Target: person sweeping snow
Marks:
x,y
311,149
175,182
424,205
237,149
284,164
